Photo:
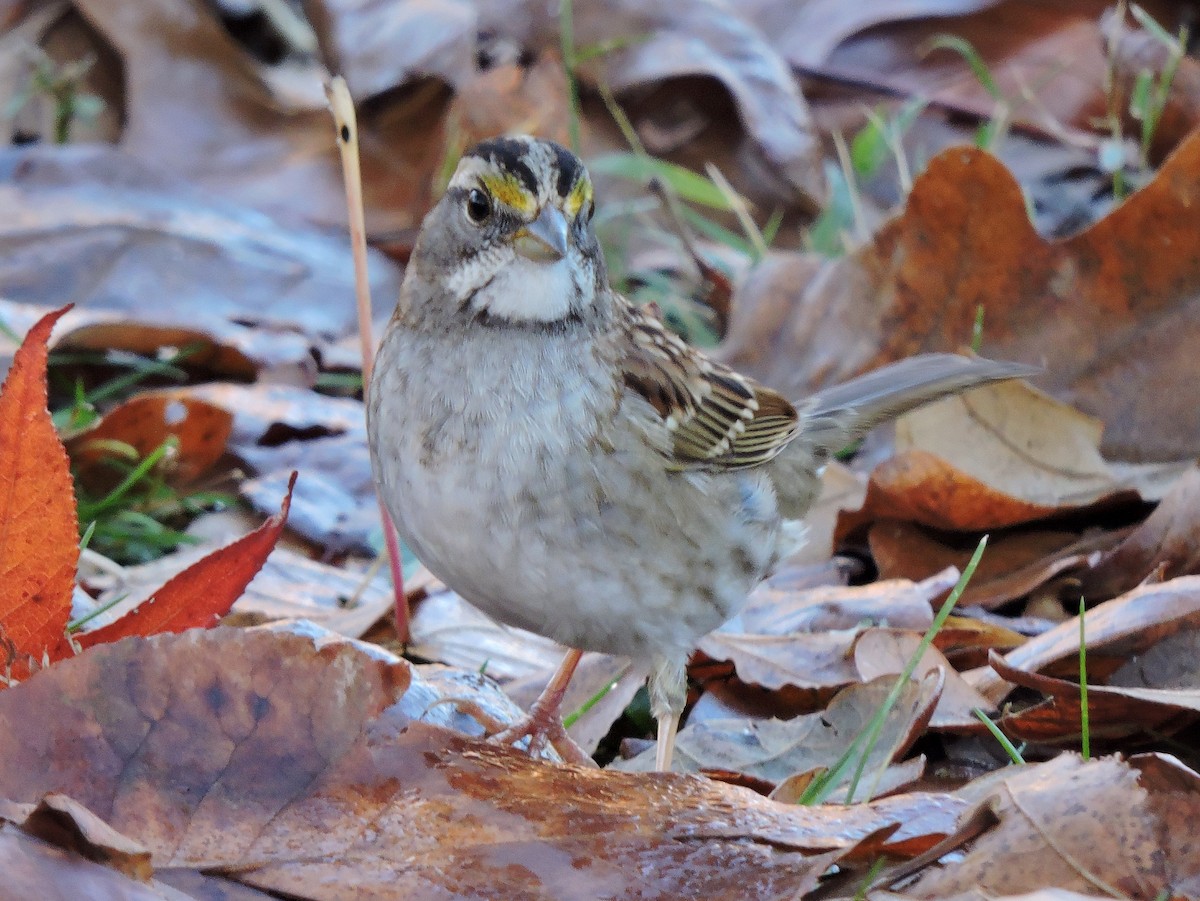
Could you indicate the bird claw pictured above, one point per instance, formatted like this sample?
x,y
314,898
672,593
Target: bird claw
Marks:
x,y
541,726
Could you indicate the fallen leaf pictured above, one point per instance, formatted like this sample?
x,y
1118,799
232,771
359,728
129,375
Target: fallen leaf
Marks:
x,y
1133,622
995,457
1110,312
774,750
146,421
1113,712
886,652
1168,541
779,655
263,756
1016,563
39,534
200,595
199,106
1068,824
280,429
1173,788
152,262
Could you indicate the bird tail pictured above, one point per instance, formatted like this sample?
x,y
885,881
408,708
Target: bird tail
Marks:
x,y
836,417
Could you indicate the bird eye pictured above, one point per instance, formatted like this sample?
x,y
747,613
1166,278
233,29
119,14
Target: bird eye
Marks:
x,y
479,206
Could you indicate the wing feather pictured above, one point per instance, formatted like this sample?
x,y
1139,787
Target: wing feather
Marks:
x,y
717,418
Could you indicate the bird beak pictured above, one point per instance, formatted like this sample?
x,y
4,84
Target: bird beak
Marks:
x,y
544,240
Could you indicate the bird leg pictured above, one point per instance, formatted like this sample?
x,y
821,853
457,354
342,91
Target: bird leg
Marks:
x,y
668,696
543,724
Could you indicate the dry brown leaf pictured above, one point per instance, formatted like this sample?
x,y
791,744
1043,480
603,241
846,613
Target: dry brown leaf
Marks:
x,y
1084,826
779,655
1015,564
1113,712
213,730
277,760
884,652
1173,790
1110,312
1117,628
998,456
145,422
1168,542
779,607
773,750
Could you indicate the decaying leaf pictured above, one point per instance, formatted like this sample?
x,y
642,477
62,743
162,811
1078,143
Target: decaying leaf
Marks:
x,y
146,421
773,750
277,760
1111,312
1070,824
1133,622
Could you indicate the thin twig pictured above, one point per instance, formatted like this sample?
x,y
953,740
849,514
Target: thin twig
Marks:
x,y
342,107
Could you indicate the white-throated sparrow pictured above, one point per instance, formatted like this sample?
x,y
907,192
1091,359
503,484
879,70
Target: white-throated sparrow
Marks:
x,y
565,463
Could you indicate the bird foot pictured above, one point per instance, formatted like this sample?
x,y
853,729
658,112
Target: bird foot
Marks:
x,y
541,726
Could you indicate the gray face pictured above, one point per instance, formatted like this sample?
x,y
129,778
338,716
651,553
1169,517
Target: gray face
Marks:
x,y
511,243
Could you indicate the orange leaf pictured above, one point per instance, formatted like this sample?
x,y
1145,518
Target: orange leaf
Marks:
x,y
39,534
200,595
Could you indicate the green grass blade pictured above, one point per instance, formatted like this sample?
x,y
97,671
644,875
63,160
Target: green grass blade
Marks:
x,y
1084,726
1014,754
865,741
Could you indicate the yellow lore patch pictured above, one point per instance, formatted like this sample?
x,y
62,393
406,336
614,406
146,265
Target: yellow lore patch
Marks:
x,y
579,197
509,191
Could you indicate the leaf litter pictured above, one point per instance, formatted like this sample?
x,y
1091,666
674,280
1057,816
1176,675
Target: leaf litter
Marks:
x,y
290,760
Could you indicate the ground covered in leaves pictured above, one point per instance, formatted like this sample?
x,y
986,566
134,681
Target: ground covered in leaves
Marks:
x,y
205,692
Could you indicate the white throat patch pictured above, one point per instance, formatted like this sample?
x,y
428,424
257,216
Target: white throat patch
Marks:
x,y
528,291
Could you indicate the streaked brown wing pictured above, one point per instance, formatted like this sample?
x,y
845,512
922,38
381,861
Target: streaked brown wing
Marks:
x,y
717,417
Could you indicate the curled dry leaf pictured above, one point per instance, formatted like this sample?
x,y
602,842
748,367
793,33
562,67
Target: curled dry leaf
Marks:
x,y
1015,564
998,456
1167,542
821,659
1070,824
145,422
1112,312
39,534
1113,712
278,760
1117,628
884,652
773,750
